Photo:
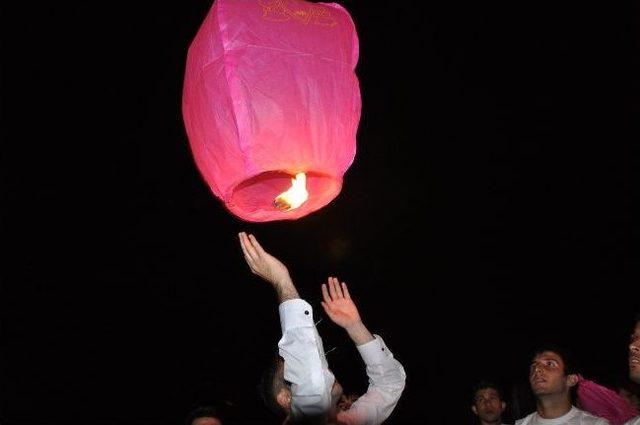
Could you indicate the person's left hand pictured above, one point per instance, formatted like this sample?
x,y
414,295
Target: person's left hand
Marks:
x,y
338,304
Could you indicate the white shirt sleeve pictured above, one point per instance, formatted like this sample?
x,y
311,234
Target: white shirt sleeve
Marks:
x,y
386,383
305,365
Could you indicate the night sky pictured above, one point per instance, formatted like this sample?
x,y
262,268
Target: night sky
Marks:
x,y
488,209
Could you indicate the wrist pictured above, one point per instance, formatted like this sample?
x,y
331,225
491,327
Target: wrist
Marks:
x,y
281,280
285,282
286,291
283,285
354,327
359,333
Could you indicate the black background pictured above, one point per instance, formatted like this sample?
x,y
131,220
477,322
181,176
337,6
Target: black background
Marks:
x,y
488,209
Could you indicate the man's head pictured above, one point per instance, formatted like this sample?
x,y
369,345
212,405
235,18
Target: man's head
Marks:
x,y
634,353
346,400
206,415
276,391
551,373
488,403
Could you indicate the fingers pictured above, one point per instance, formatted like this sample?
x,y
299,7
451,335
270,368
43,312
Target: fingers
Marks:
x,y
336,288
256,245
325,294
254,249
332,289
243,241
345,291
246,249
326,307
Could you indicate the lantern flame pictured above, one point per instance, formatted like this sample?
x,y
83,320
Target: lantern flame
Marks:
x,y
295,196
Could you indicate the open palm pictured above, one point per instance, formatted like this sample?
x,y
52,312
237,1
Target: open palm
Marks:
x,y
338,303
261,262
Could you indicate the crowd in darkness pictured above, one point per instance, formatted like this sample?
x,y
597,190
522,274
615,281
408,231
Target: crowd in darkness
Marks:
x,y
299,387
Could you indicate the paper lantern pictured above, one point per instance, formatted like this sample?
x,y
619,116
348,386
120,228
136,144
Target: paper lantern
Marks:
x,y
269,93
603,402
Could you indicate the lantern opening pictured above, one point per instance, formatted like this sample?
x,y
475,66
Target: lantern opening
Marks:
x,y
295,196
253,199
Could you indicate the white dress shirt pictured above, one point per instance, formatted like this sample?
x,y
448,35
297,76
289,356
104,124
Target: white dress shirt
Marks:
x,y
306,368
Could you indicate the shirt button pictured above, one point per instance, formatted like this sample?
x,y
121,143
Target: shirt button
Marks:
x,y
382,348
306,312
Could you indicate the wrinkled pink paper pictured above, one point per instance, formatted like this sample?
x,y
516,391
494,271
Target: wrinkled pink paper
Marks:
x,y
603,402
270,91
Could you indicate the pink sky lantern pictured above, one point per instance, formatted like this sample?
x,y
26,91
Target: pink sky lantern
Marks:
x,y
271,105
603,402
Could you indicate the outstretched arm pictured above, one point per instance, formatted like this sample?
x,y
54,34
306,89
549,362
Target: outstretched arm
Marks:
x,y
343,312
386,374
305,366
268,267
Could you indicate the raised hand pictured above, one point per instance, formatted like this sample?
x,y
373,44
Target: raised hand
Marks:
x,y
264,264
338,303
343,312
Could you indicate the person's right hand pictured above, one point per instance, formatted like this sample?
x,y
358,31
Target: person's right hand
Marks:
x,y
262,263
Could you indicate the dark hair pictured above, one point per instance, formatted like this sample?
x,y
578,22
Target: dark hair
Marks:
x,y
202,412
271,382
564,353
483,385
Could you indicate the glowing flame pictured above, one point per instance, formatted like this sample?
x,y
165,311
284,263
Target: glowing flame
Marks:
x,y
295,196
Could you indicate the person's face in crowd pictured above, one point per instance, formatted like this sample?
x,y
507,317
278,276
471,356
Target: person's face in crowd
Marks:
x,y
634,355
547,375
488,406
346,401
206,421
336,390
336,395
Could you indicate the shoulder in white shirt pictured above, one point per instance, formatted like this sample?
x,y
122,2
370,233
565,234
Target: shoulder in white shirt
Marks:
x,y
575,416
634,421
306,368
